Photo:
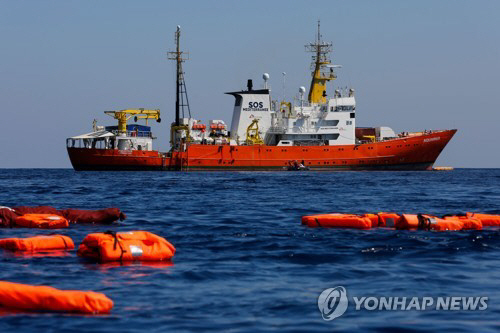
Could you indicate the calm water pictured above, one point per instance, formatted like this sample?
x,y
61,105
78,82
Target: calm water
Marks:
x,y
244,262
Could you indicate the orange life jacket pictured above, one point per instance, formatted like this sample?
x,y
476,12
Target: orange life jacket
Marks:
x,y
338,221
429,222
388,220
469,223
41,221
43,298
488,220
38,243
126,246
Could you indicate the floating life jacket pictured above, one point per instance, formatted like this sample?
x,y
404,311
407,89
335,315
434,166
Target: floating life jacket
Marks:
x,y
386,220
36,210
41,221
42,298
488,220
389,220
102,216
429,222
38,243
126,246
7,216
337,221
469,223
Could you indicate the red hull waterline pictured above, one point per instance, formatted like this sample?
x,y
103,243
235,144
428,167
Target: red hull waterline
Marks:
x,y
407,153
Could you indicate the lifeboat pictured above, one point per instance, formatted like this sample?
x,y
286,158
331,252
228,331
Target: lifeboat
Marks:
x,y
337,221
199,126
126,246
41,221
38,243
47,299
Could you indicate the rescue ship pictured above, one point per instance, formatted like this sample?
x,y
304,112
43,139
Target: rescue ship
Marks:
x,y
313,133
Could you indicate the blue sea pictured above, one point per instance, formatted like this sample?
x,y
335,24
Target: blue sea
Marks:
x,y
244,262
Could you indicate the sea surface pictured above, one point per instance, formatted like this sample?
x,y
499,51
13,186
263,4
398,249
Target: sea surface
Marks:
x,y
244,262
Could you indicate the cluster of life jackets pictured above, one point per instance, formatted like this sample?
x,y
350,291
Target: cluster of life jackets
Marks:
x,y
47,217
467,221
101,247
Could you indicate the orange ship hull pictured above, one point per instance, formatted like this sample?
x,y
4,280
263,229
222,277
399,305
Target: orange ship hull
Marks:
x,y
406,153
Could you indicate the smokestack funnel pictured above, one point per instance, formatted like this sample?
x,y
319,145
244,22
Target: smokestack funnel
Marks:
x,y
249,85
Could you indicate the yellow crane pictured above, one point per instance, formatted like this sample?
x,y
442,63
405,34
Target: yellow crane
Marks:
x,y
124,115
253,136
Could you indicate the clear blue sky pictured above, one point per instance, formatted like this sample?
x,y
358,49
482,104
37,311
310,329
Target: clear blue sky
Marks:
x,y
415,65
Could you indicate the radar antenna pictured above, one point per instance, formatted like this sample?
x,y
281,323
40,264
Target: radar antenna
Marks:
x,y
322,72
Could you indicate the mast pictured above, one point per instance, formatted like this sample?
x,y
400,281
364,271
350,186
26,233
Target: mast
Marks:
x,y
321,62
180,89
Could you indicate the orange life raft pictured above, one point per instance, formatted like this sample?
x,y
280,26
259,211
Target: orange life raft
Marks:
x,y
38,243
41,221
43,298
126,246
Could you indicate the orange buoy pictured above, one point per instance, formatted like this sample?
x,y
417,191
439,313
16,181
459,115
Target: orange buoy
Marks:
x,y
126,246
42,298
41,221
38,243
338,221
488,220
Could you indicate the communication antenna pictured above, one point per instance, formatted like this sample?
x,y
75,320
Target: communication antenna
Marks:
x,y
181,97
284,81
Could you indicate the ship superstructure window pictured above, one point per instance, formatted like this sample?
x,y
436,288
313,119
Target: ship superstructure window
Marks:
x,y
342,108
238,100
353,115
348,122
330,122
